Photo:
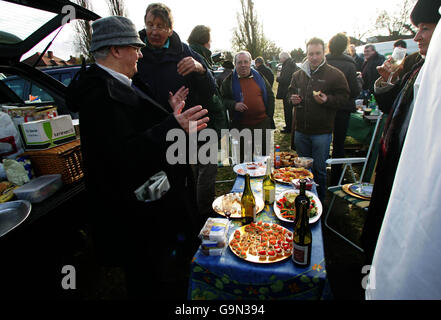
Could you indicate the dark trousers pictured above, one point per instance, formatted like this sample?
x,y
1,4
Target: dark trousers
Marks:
x,y
287,109
341,125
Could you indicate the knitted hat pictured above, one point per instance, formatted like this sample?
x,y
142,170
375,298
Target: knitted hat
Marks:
x,y
426,11
114,31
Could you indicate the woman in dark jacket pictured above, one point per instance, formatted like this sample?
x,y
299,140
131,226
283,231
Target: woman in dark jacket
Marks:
x,y
337,45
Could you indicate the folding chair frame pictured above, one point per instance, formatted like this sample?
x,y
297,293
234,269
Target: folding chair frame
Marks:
x,y
348,162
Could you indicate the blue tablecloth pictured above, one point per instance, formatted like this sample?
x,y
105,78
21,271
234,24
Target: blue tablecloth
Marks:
x,y
231,278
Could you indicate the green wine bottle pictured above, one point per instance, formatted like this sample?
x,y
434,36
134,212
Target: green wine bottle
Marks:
x,y
302,196
268,185
248,203
302,238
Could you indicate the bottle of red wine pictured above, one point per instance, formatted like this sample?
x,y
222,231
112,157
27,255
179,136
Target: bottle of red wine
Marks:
x,y
302,196
302,238
248,203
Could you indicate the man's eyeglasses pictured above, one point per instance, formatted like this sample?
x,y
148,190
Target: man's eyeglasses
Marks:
x,y
138,49
160,28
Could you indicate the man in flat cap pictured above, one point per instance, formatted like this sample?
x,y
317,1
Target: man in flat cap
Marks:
x,y
397,101
123,141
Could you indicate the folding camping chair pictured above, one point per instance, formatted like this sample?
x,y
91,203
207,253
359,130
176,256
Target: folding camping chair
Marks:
x,y
338,190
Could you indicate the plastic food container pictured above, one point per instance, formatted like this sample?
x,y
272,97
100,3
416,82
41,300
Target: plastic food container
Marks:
x,y
40,188
303,162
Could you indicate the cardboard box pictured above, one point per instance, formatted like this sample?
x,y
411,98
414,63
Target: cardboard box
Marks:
x,y
48,133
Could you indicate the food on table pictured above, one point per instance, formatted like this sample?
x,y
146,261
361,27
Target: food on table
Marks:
x,y
303,162
262,242
288,209
254,169
230,203
286,175
287,158
7,191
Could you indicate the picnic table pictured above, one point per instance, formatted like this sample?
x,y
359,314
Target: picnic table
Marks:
x,y
227,277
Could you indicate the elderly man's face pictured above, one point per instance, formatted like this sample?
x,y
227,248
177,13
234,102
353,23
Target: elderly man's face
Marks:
x,y
316,55
157,30
129,56
243,65
423,36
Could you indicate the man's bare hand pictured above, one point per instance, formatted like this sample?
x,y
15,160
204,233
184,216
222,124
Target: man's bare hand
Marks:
x,y
295,99
320,98
188,65
176,99
241,107
196,114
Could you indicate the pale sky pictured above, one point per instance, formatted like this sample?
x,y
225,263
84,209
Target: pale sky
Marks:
x,y
289,23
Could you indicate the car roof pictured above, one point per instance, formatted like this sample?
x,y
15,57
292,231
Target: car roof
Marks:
x,y
13,47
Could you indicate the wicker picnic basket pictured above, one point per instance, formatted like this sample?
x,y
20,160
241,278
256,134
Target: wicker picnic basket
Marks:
x,y
65,160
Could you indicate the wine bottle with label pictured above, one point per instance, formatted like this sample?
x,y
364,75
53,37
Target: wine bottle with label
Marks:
x,y
248,203
302,196
302,238
268,185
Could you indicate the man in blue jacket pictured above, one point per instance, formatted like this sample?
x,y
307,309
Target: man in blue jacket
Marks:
x,y
168,64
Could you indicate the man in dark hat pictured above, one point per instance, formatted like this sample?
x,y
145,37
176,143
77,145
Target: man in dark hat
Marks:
x,y
123,142
397,101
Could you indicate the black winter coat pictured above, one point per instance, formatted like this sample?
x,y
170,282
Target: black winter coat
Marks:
x,y
346,65
123,144
284,80
158,68
267,73
369,71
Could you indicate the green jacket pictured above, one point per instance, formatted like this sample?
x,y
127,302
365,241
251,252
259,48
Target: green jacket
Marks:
x,y
216,109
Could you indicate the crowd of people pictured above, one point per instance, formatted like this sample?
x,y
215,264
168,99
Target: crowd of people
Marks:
x,y
145,83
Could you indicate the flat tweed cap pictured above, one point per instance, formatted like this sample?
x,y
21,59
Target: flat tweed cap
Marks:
x,y
426,11
114,31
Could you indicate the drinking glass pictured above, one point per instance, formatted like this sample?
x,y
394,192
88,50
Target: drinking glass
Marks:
x,y
397,58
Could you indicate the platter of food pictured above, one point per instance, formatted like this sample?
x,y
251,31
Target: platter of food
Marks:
x,y
254,169
285,210
261,243
287,159
286,175
230,202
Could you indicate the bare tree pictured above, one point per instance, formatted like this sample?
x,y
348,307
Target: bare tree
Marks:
x,y
83,31
398,23
249,34
117,8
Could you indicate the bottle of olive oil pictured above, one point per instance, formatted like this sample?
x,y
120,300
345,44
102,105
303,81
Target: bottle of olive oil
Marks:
x,y
302,238
248,203
268,185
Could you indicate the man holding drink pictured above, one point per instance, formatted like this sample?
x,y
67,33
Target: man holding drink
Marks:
x,y
317,91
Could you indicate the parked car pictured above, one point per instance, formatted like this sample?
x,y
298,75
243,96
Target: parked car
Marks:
x,y
15,41
25,88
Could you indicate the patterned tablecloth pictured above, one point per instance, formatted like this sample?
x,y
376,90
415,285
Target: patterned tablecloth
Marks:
x,y
228,277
